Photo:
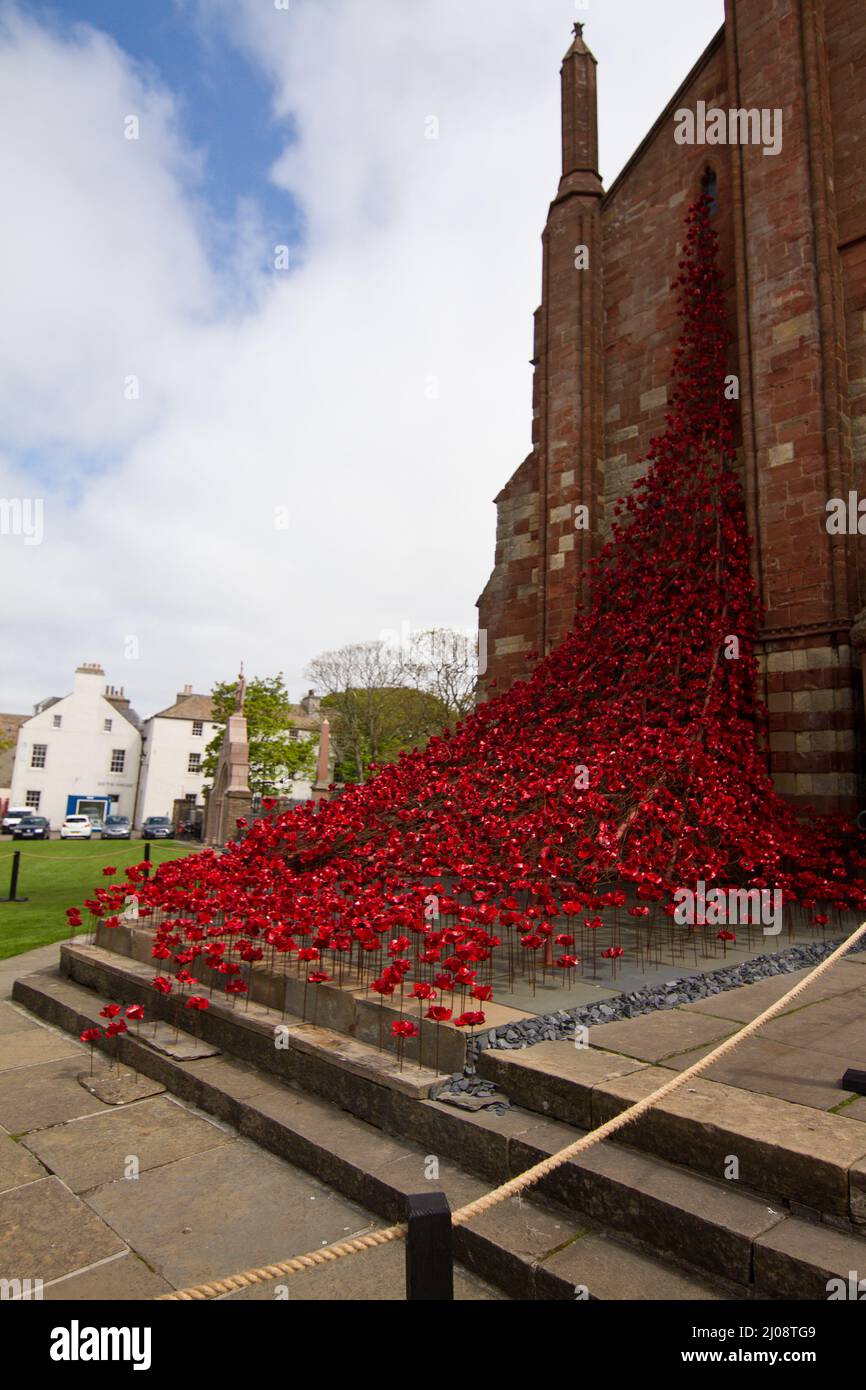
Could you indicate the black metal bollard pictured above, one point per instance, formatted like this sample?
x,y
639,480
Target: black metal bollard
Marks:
x,y
429,1248
147,858
13,881
854,1080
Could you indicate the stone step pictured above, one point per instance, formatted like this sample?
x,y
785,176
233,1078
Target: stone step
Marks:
x,y
711,1225
803,1260
791,1153
342,1008
275,1041
524,1247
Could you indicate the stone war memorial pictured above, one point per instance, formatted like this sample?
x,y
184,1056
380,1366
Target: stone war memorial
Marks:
x,y
230,799
589,966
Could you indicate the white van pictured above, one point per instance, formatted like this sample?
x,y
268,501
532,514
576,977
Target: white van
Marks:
x,y
14,815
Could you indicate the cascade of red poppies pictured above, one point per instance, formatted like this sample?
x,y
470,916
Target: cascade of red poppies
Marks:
x,y
630,762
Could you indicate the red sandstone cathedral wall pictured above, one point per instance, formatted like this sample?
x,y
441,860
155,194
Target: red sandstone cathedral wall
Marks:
x,y
792,230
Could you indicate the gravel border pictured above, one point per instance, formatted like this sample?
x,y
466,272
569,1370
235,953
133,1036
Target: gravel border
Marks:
x,y
684,989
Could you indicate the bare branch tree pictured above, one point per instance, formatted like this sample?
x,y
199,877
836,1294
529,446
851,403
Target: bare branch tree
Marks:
x,y
445,663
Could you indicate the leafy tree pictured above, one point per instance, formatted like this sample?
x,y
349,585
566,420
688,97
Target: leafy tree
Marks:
x,y
275,757
376,709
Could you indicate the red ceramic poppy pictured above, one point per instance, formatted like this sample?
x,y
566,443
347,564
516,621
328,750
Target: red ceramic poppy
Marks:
x,y
490,824
403,1028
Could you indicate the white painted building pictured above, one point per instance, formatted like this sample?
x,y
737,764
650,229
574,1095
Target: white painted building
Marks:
x,y
173,756
307,720
79,754
174,744
90,753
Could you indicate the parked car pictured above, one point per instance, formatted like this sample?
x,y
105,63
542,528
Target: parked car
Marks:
x,y
76,828
157,828
13,816
117,828
32,828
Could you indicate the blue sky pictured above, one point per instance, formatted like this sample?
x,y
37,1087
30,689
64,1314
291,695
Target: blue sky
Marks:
x,y
224,103
303,395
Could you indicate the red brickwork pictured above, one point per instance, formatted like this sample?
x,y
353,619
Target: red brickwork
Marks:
x,y
792,229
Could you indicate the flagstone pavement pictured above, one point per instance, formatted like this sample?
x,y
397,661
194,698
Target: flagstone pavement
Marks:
x,y
205,1203
800,1056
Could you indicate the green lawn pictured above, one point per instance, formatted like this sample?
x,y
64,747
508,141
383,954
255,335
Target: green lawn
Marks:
x,y
56,874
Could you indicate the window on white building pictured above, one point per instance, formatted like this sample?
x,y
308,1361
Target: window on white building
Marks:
x,y
194,764
198,727
37,757
118,758
32,799
190,798
107,726
58,720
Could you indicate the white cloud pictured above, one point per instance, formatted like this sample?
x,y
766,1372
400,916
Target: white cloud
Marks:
x,y
308,389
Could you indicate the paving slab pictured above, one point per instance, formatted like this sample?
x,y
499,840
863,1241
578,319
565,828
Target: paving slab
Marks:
x,y
710,1225
224,1210
119,1087
46,1231
176,1043
12,1020
120,1280
224,1087
770,1068
39,1096
584,1064
41,958
679,1214
747,1001
555,1077
610,1271
856,1110
553,994
27,1046
240,1080
17,1165
413,1173
835,1027
363,1060
337,1147
374,1276
788,1150
510,1240
798,1259
89,1152
654,1036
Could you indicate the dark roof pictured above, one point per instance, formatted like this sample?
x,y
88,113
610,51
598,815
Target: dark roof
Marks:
x,y
201,707
190,707
305,721
124,708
